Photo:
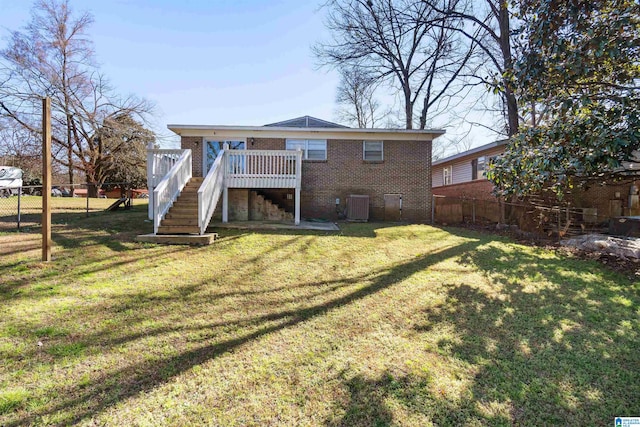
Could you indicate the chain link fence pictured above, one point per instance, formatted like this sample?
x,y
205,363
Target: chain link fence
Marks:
x,y
21,207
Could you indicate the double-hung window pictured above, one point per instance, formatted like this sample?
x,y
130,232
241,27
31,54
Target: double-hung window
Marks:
x,y
312,149
446,175
478,167
373,151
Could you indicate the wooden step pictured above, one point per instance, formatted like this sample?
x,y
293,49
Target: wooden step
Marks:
x,y
181,215
178,229
185,203
190,221
187,197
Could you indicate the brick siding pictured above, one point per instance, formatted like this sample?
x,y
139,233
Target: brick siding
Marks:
x,y
406,170
195,144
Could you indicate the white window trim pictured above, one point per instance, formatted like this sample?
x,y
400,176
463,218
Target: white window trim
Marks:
x,y
447,171
305,151
364,149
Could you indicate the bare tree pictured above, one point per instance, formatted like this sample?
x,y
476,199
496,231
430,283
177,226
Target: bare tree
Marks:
x,y
357,101
402,43
491,21
53,57
19,148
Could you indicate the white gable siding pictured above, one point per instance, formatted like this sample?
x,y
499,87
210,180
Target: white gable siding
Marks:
x,y
461,171
436,176
461,168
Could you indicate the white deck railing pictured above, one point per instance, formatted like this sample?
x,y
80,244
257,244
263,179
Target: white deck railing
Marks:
x,y
169,188
159,162
263,168
168,171
209,192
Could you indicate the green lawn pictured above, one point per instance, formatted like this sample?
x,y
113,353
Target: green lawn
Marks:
x,y
375,325
63,208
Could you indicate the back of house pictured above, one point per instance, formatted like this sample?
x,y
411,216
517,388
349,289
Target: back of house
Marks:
x,y
382,174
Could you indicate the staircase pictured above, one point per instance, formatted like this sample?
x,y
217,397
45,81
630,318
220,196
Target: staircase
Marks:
x,y
263,209
182,217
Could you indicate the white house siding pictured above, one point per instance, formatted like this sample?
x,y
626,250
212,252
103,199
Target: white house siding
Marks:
x,y
461,168
436,176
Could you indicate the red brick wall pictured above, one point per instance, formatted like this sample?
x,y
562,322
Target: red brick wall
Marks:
x,y
598,196
195,144
406,170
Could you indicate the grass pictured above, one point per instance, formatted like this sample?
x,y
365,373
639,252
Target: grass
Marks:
x,y
375,325
65,208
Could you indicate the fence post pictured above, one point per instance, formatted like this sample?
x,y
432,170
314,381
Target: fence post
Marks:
x,y
433,209
46,179
19,195
473,210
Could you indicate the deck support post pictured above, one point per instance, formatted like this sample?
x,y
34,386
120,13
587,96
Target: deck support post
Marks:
x,y
225,189
225,205
298,183
297,206
150,174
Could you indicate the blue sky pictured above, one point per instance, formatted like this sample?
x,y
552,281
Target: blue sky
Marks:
x,y
242,62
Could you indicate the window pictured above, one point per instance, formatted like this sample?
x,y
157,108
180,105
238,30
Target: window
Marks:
x,y
446,175
213,147
478,167
312,149
372,151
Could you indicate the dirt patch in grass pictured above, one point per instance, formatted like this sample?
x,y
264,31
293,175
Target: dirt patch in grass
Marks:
x,y
629,267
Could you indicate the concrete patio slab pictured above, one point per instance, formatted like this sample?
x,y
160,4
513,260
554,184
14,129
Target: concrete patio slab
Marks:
x,y
272,225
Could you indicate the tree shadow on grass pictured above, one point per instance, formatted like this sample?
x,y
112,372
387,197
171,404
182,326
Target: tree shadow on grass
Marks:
x,y
71,241
77,403
370,402
556,344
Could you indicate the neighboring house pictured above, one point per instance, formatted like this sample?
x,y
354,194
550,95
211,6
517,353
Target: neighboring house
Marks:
x,y
465,167
462,193
304,167
461,189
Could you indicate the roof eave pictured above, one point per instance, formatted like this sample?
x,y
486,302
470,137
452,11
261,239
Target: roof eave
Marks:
x,y
471,152
246,131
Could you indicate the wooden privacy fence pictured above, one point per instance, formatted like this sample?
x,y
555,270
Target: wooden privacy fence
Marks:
x,y
455,210
532,215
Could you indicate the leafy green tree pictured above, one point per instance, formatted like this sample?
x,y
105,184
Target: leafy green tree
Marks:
x,y
581,62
